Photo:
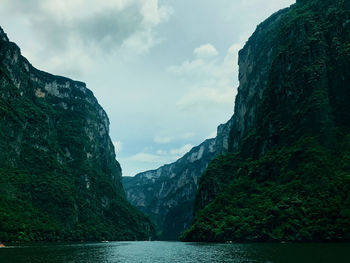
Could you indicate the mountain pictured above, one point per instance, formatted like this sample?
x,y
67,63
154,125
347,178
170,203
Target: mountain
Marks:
x,y
287,174
166,195
59,179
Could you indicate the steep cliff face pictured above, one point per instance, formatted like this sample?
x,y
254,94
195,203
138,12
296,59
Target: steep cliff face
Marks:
x,y
166,195
287,176
254,62
59,179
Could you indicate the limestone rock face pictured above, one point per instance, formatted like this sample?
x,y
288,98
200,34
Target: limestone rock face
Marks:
x,y
167,194
254,62
55,145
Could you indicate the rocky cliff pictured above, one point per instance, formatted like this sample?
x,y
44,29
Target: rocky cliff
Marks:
x,y
167,194
287,176
59,179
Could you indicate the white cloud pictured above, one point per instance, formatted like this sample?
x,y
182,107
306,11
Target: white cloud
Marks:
x,y
161,157
206,51
146,158
213,80
75,62
212,135
162,140
118,146
153,14
140,42
181,151
76,32
161,152
187,67
205,97
167,139
188,135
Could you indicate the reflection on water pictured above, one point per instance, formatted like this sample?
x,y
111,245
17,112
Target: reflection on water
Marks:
x,y
147,252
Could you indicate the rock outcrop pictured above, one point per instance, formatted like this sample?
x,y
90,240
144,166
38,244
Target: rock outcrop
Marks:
x,y
59,179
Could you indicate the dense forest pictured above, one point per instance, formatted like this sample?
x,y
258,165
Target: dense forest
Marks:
x,y
287,175
59,179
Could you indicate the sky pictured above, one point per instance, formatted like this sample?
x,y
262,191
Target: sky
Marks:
x,y
165,71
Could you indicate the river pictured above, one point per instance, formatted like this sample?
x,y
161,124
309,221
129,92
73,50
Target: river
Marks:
x,y
176,252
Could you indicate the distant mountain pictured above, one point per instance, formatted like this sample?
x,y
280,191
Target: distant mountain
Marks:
x,y
287,174
59,179
166,195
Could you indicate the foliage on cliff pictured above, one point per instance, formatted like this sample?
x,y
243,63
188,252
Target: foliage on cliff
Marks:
x,y
289,176
59,179
166,195
296,193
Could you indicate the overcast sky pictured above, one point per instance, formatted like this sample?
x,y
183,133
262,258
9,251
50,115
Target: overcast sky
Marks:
x,y
164,71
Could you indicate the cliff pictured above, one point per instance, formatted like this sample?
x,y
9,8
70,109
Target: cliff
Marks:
x,y
59,179
166,195
287,176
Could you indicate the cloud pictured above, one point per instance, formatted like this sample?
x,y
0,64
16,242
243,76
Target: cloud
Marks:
x,y
206,51
181,151
161,152
145,157
88,29
188,135
161,157
162,140
118,146
108,29
212,135
153,13
187,67
166,139
205,97
213,80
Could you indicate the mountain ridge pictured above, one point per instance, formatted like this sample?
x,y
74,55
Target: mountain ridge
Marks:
x,y
59,179
167,194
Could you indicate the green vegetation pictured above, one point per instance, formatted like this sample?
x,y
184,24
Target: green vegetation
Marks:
x,y
59,180
166,195
297,193
42,208
289,177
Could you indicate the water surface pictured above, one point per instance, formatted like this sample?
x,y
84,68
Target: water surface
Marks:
x,y
175,252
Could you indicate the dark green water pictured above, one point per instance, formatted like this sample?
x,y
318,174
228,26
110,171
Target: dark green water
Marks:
x,y
173,252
